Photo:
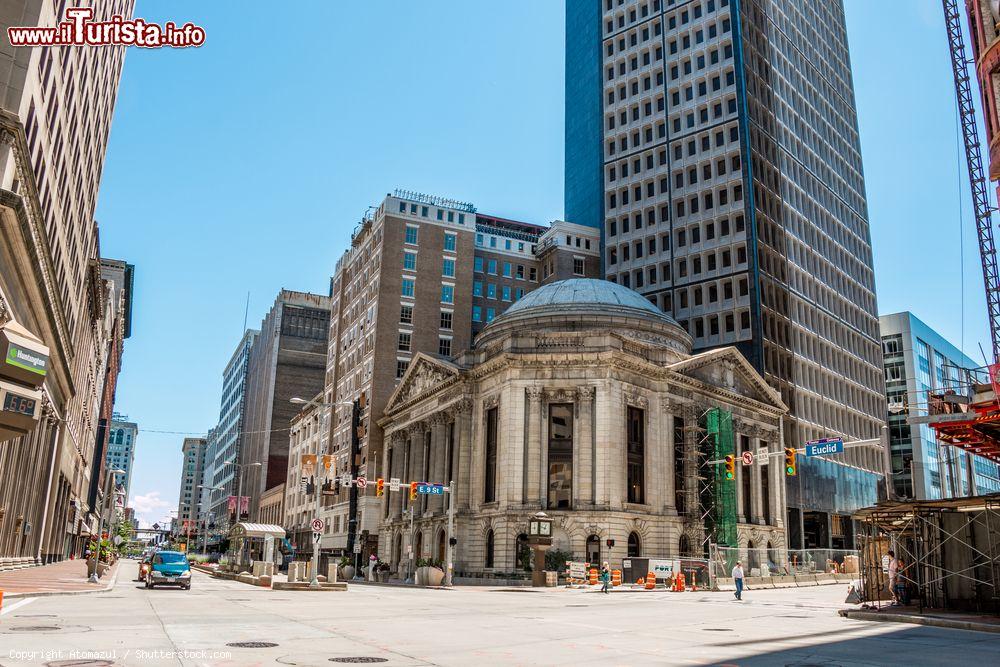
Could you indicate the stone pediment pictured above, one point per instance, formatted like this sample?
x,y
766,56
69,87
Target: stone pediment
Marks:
x,y
727,369
423,376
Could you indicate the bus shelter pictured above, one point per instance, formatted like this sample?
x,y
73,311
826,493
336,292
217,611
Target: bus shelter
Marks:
x,y
253,541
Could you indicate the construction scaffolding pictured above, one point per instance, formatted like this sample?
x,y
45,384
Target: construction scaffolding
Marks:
x,y
948,553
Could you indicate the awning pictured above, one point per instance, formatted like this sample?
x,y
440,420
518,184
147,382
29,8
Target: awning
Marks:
x,y
256,530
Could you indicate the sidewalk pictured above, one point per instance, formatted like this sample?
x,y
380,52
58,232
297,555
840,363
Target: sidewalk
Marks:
x,y
938,619
64,577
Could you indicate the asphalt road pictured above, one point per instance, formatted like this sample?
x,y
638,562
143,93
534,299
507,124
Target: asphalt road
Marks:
x,y
467,626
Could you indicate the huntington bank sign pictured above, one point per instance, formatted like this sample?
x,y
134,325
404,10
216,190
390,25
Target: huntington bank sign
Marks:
x,y
24,359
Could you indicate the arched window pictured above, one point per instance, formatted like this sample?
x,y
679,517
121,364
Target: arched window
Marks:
x,y
523,553
442,541
753,557
594,550
634,545
684,546
772,557
489,549
418,550
397,550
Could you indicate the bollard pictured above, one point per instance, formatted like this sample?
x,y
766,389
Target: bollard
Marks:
x,y
616,578
593,576
650,581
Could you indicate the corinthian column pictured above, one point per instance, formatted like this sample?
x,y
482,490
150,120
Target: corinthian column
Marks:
x,y
463,452
439,456
583,446
533,460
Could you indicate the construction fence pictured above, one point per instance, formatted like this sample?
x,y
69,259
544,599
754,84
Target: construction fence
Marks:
x,y
769,563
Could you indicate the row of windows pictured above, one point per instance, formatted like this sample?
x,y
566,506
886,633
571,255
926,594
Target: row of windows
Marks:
x,y
506,294
444,322
408,287
441,214
518,271
483,241
405,341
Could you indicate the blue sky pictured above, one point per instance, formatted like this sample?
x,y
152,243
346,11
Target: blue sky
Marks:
x,y
242,167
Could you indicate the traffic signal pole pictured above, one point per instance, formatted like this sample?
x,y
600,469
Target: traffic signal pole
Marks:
x,y
449,565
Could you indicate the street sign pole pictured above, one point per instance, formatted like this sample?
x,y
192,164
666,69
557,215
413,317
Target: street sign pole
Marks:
x,y
449,565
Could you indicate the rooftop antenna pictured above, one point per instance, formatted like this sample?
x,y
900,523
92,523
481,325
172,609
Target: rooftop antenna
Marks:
x,y
246,311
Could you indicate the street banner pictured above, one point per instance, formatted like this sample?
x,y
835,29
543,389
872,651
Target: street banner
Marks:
x,y
327,462
664,569
308,464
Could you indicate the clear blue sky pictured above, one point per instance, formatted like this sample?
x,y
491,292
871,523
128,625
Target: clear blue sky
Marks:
x,y
242,166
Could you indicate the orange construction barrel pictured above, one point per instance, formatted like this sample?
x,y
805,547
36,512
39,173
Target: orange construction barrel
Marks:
x,y
650,581
616,577
593,576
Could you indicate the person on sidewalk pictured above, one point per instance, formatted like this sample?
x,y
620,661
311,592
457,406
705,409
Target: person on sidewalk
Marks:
x,y
893,575
738,580
605,577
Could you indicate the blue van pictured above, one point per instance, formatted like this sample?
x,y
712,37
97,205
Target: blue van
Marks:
x,y
170,568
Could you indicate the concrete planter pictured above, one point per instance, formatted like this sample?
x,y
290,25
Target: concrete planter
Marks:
x,y
348,572
429,576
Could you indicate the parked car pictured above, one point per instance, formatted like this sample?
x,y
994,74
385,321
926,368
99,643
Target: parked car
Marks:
x,y
170,568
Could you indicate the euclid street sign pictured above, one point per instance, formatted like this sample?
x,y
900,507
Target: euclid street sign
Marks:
x,y
824,446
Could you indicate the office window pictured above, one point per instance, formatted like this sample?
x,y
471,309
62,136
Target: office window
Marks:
x,y
447,294
477,288
577,266
411,235
478,264
406,314
477,314
410,261
401,367
506,293
636,455
448,268
491,291
444,347
490,314
407,287
449,242
506,270
492,267
403,344
446,317
489,493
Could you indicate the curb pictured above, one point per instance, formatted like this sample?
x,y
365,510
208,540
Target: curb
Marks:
x,y
915,619
40,594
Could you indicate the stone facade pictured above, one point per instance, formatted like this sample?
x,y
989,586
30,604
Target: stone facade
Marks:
x,y
558,398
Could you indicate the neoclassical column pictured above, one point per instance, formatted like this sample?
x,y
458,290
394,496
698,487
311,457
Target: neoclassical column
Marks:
x,y
739,430
583,447
756,486
439,457
691,415
462,412
533,458
776,483
668,409
415,462
398,442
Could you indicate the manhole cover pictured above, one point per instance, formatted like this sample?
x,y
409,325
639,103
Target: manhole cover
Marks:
x,y
36,628
35,615
718,629
239,599
79,663
578,605
252,644
792,616
360,659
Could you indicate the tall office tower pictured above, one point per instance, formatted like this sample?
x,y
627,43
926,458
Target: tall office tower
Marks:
x,y
731,195
423,275
221,477
288,360
919,363
189,496
56,106
121,450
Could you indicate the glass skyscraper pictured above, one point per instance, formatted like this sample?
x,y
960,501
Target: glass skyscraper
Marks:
x,y
730,193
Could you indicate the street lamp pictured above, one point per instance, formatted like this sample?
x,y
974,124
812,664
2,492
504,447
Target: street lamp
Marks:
x,y
317,487
100,521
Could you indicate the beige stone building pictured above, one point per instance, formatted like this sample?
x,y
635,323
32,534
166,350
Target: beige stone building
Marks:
x,y
582,400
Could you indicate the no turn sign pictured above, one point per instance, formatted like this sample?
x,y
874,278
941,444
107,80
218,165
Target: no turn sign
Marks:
x,y
748,458
361,482
318,525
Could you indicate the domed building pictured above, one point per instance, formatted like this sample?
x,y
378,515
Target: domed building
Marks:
x,y
582,400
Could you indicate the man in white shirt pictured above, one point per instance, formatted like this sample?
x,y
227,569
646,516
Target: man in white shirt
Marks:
x,y
738,580
893,575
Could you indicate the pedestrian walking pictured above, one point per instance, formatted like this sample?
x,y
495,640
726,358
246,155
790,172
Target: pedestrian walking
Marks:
x,y
605,577
893,575
738,580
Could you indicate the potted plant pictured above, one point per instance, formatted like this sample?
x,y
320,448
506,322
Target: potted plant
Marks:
x,y
346,568
382,571
429,572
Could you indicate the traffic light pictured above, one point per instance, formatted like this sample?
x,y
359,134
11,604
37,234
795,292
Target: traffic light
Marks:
x,y
413,490
730,466
379,487
790,461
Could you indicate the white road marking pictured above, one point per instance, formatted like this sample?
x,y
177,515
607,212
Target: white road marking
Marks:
x,y
20,603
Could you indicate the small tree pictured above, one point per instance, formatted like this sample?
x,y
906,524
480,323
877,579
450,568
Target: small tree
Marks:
x,y
555,560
